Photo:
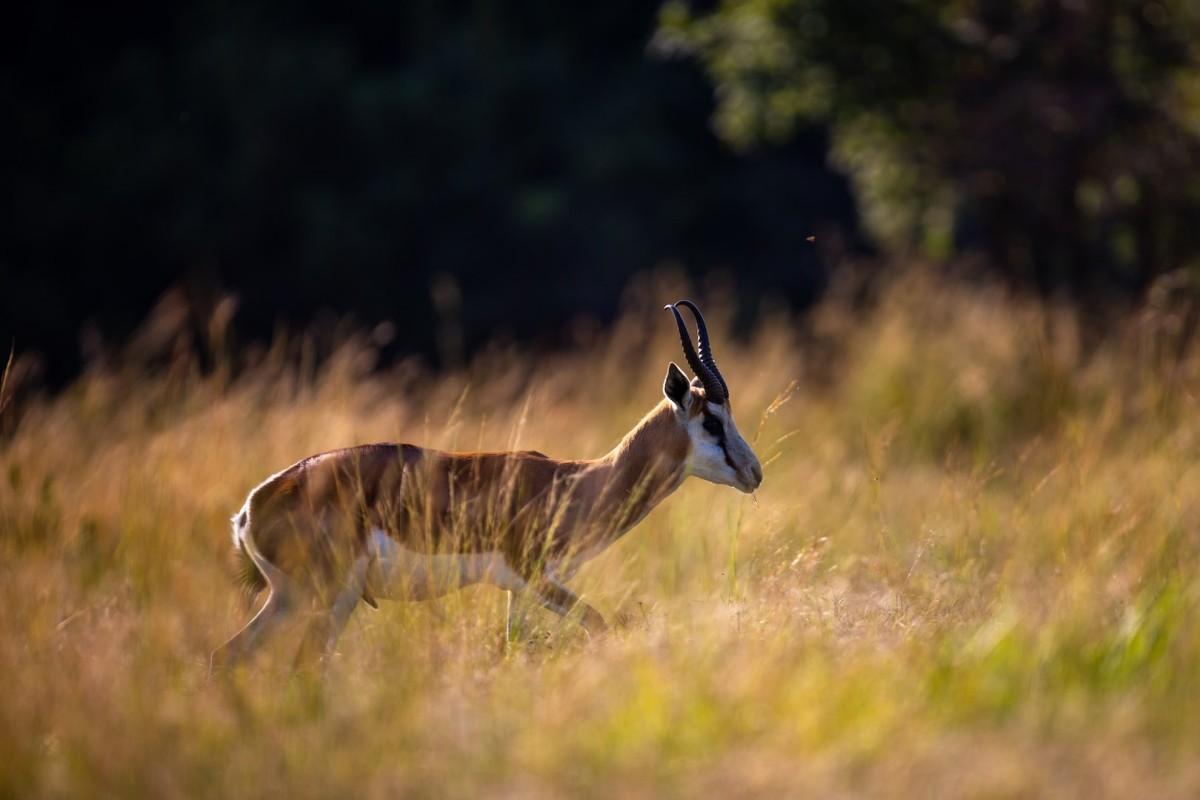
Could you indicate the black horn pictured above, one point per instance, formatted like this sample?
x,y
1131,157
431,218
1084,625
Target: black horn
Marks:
x,y
705,346
714,387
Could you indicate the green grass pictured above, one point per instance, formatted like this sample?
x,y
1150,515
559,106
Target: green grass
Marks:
x,y
972,570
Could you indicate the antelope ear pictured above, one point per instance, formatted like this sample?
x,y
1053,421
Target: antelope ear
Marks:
x,y
676,387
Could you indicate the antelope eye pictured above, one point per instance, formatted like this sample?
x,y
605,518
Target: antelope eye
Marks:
x,y
713,426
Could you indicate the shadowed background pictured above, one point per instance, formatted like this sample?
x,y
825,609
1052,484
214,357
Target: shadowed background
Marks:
x,y
507,167
526,159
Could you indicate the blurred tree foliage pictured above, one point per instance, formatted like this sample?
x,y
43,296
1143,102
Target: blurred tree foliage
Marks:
x,y
526,158
1059,137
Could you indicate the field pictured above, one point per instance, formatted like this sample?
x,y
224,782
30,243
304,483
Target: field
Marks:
x,y
973,569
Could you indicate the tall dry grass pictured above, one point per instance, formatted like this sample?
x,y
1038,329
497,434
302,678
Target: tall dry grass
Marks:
x,y
972,571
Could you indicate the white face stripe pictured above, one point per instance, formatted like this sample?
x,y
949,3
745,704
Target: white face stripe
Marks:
x,y
724,459
398,573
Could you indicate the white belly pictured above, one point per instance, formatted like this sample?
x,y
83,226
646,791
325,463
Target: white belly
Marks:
x,y
402,574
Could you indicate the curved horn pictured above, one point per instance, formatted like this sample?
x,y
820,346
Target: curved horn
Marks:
x,y
714,390
705,347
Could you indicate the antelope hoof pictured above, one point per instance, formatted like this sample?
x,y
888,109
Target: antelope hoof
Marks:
x,y
594,624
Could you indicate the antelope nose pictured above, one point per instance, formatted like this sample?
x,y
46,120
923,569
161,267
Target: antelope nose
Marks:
x,y
756,471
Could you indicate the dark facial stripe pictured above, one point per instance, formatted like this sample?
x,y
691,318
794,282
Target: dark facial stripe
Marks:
x,y
728,460
720,438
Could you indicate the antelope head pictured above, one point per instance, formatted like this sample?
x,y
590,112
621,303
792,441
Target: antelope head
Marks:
x,y
717,452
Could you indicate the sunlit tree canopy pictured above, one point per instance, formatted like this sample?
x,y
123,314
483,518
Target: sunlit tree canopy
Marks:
x,y
1061,139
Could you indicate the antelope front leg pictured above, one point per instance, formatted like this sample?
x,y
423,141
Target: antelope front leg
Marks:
x,y
562,601
516,612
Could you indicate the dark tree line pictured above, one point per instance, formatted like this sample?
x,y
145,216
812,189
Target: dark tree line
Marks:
x,y
531,157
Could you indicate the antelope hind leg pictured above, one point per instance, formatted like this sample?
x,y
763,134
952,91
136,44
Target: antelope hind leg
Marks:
x,y
322,632
245,642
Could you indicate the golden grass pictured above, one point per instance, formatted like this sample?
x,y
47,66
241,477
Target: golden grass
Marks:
x,y
972,571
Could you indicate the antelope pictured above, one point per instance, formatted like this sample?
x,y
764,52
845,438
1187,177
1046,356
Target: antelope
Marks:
x,y
403,522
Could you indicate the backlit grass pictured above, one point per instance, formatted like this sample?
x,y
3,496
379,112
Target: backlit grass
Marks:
x,y
972,570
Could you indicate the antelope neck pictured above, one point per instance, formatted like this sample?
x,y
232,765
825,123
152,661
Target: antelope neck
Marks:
x,y
642,470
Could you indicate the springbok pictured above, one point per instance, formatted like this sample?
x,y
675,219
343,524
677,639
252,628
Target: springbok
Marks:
x,y
404,522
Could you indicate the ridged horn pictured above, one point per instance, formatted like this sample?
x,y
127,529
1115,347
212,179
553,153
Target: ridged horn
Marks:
x,y
714,387
705,347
